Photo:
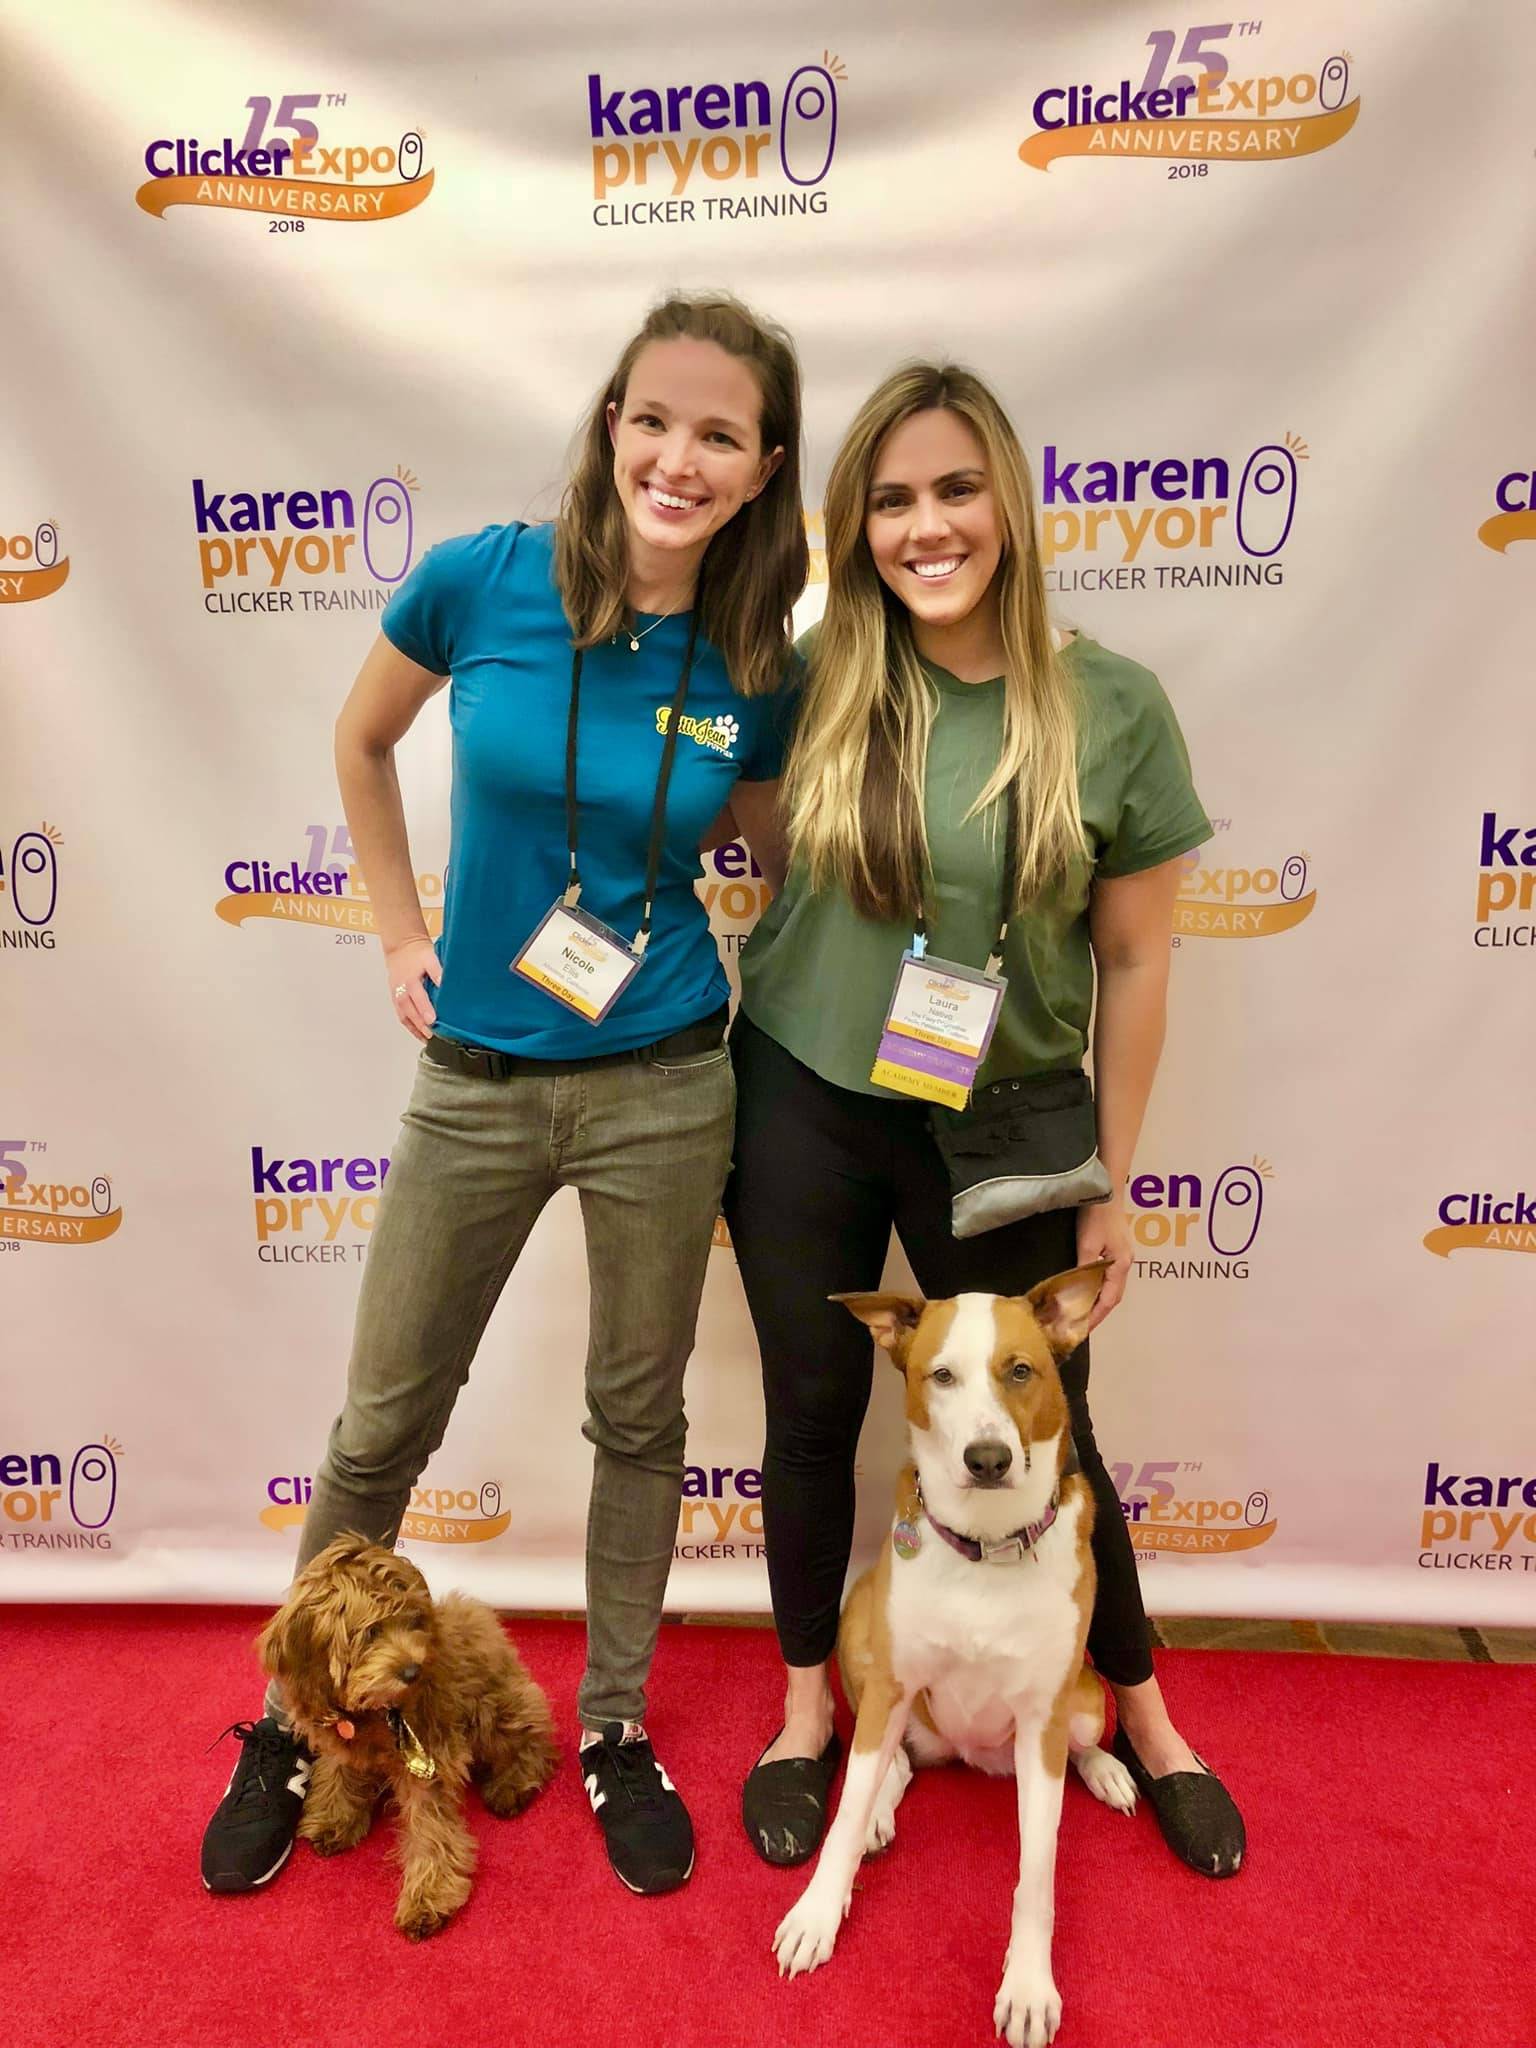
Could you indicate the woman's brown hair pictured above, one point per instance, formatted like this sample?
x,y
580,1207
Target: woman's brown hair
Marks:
x,y
854,784
757,563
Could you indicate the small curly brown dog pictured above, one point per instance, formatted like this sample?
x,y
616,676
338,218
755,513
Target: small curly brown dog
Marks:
x,y
394,1693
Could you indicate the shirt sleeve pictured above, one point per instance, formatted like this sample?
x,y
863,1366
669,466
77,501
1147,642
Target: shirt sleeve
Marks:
x,y
775,726
1160,814
428,612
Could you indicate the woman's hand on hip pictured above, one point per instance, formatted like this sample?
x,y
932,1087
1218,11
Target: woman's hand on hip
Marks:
x,y
1104,1232
412,966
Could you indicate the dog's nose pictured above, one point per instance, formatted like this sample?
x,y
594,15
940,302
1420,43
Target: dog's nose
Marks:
x,y
409,1673
987,1460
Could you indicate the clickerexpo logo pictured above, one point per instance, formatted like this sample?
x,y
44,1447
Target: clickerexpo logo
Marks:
x,y
712,148
31,564
1184,520
1171,1509
322,888
437,1514
359,168
1230,107
1515,519
1220,898
37,1210
1497,1219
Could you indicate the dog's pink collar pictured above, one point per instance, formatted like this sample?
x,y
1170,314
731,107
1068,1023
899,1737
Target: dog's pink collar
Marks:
x,y
1007,1549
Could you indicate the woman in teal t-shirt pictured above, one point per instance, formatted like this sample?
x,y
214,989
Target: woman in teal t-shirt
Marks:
x,y
613,681
936,685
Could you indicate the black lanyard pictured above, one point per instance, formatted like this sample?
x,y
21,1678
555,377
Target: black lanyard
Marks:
x,y
659,809
1010,890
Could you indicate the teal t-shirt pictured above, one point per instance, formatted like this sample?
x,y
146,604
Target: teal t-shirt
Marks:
x,y
484,610
818,977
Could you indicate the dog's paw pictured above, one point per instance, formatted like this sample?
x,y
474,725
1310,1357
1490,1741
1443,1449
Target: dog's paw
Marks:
x,y
328,1838
882,1830
1107,1779
808,1932
418,1920
506,1800
1028,2008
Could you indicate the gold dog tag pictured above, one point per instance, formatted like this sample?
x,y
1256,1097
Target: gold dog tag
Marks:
x,y
417,1762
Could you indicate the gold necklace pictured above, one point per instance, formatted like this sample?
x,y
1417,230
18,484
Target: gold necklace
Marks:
x,y
635,638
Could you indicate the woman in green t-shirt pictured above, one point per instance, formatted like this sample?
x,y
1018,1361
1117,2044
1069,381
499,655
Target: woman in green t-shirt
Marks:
x,y
936,683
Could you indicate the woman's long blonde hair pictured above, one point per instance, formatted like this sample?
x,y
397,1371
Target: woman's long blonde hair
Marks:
x,y
757,563
854,786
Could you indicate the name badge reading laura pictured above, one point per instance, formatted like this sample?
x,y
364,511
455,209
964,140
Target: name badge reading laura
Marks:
x,y
579,961
937,1030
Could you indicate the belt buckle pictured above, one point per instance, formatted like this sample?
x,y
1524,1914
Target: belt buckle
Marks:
x,y
485,1062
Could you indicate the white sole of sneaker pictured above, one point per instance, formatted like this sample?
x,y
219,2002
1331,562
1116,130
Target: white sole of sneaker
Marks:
x,y
641,1893
256,1883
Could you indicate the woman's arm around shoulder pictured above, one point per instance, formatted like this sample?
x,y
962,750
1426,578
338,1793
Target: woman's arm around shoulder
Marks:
x,y
754,806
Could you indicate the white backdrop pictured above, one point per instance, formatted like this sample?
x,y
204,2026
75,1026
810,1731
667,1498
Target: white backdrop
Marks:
x,y
1299,300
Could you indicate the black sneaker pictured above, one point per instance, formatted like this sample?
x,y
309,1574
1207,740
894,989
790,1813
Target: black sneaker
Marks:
x,y
248,1840
644,1821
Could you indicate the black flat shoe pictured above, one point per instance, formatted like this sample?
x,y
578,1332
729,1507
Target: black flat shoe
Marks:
x,y
1195,1811
784,1805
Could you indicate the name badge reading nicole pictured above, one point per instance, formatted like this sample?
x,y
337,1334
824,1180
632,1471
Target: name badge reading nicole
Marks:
x,y
579,961
937,1030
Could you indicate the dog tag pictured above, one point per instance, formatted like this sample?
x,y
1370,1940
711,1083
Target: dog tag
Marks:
x,y
937,1030
579,961
417,1762
906,1538
345,1730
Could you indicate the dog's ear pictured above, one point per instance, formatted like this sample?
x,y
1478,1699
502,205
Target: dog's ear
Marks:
x,y
408,1579
289,1650
891,1317
1063,1304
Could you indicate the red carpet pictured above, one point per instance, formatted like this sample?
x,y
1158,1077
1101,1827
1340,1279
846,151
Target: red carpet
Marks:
x,y
1388,1896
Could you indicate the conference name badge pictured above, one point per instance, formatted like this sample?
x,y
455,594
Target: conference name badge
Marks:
x,y
937,1030
579,961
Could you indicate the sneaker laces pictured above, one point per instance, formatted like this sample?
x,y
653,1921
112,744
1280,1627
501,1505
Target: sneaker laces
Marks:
x,y
265,1748
638,1773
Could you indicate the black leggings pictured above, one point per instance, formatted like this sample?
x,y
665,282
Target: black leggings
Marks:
x,y
821,1176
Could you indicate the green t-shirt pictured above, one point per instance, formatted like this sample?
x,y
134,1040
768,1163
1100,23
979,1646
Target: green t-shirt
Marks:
x,y
817,977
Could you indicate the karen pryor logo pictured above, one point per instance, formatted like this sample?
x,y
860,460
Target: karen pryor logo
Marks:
x,y
1168,521
52,1501
714,149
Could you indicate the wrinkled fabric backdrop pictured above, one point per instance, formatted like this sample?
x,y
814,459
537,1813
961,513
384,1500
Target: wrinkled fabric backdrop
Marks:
x,y
294,296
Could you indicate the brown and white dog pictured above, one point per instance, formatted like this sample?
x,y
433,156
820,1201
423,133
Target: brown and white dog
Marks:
x,y
966,1638
394,1693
